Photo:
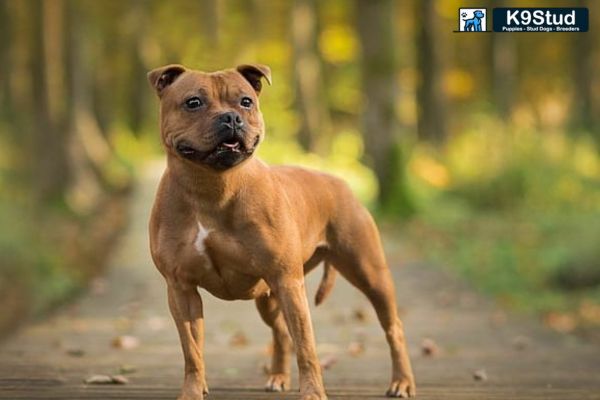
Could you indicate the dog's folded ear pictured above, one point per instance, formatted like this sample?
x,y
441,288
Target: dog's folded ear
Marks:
x,y
162,77
254,73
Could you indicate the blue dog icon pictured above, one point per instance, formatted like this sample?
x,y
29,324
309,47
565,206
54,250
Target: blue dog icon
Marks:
x,y
473,24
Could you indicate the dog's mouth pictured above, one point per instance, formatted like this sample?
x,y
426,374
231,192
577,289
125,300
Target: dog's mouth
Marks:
x,y
232,145
224,155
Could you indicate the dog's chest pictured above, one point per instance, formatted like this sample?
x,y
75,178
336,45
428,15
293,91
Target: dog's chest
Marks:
x,y
222,265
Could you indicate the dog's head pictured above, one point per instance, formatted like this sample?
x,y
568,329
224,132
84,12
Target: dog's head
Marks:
x,y
211,119
478,14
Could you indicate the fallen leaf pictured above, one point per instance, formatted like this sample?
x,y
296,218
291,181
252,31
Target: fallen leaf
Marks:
x,y
429,348
328,361
238,339
356,348
119,379
75,352
106,380
480,375
359,315
125,342
561,322
127,369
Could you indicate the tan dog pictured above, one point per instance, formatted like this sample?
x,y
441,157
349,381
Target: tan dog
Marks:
x,y
226,222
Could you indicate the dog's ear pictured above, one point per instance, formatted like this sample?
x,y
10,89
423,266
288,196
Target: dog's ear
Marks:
x,y
254,73
161,78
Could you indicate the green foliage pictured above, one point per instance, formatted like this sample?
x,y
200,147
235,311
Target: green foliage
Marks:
x,y
31,262
515,212
502,191
399,201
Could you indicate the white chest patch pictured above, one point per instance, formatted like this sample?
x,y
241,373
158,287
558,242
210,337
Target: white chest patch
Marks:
x,y
200,238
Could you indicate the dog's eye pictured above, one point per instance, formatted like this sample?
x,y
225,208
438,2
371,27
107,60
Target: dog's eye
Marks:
x,y
246,102
194,103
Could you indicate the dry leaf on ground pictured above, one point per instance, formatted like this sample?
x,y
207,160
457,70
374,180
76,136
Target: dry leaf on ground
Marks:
x,y
106,380
328,361
238,339
480,375
355,349
561,322
359,315
127,369
429,348
125,342
75,352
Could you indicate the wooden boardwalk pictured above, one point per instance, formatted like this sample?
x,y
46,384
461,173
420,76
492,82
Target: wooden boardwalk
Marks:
x,y
522,360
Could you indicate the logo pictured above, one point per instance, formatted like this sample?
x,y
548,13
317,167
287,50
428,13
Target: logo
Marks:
x,y
472,20
541,20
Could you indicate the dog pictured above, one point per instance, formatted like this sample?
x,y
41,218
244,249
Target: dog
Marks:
x,y
226,222
474,24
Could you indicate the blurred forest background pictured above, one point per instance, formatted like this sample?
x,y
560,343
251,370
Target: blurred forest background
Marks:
x,y
479,152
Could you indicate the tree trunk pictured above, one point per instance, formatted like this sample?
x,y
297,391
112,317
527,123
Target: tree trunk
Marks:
x,y
310,94
48,137
5,34
380,124
87,148
137,89
504,71
18,78
583,74
430,93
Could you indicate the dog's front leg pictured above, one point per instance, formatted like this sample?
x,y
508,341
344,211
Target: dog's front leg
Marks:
x,y
294,305
185,304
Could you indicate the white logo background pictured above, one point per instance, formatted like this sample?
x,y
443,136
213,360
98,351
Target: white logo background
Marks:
x,y
462,20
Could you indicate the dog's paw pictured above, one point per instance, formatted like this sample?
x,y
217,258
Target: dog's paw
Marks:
x,y
313,396
278,383
193,391
190,396
402,388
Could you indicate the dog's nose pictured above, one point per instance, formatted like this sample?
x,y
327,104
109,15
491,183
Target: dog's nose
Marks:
x,y
231,120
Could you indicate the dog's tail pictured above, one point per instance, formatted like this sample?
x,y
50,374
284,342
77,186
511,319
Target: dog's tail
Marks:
x,y
327,281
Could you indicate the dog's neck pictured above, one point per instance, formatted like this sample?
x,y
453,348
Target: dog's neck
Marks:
x,y
199,183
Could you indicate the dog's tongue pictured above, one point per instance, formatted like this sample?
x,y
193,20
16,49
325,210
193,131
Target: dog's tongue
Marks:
x,y
234,145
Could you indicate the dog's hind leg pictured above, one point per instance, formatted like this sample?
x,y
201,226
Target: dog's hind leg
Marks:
x,y
358,255
279,374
